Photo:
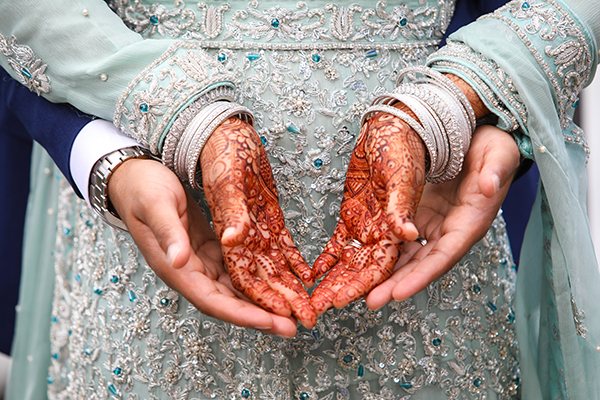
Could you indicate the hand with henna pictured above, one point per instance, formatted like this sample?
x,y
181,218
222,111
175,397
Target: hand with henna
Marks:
x,y
383,188
454,216
258,250
179,245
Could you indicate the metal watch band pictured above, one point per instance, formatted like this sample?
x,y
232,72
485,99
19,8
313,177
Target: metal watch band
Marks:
x,y
98,188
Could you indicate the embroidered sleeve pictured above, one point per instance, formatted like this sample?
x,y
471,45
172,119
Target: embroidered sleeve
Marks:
x,y
552,39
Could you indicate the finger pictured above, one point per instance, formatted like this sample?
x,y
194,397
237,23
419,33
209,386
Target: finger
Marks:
x,y
299,301
374,267
242,267
323,295
233,219
295,259
332,251
500,161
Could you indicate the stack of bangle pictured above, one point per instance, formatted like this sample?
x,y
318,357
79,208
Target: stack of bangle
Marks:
x,y
446,118
189,147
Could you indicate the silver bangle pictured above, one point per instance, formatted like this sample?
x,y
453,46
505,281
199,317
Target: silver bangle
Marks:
x,y
99,177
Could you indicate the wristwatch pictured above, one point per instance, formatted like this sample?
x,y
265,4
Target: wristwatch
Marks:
x,y
98,187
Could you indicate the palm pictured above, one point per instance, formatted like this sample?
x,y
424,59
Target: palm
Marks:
x,y
453,216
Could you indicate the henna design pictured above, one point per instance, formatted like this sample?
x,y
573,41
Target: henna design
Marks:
x,y
261,258
383,187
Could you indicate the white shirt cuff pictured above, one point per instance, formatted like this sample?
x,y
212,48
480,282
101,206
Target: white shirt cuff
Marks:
x,y
95,140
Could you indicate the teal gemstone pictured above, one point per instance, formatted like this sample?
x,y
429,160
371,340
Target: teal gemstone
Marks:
x,y
405,385
118,371
525,6
55,356
245,393
26,72
403,22
304,396
77,277
253,56
113,389
315,334
348,359
54,319
511,318
318,163
131,295
114,279
165,301
70,332
49,380
263,140
144,107
154,19
361,370
98,291
87,351
275,23
66,231
89,223
371,54
293,129
576,104
477,382
316,58
492,306
222,57
476,289
436,341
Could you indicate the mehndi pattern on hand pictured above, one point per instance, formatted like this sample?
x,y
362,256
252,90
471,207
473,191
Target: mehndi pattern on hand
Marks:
x,y
262,260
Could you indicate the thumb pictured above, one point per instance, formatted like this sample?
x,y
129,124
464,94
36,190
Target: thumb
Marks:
x,y
500,160
234,220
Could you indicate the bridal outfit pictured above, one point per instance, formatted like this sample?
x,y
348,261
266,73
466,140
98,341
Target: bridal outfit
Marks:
x,y
95,322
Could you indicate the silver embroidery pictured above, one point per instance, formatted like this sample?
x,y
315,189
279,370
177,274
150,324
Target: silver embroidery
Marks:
x,y
29,69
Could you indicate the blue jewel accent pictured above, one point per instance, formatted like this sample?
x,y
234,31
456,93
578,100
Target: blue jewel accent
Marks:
x,y
348,358
275,23
253,56
477,382
98,291
576,104
77,277
315,334
66,231
510,317
436,341
118,371
54,319
263,140
144,107
304,396
476,289
88,223
114,279
371,54
403,21
55,356
49,380
245,393
318,163
222,57
293,129
154,19
525,6
492,306
405,385
361,370
131,295
316,58
87,351
113,389
165,301
25,72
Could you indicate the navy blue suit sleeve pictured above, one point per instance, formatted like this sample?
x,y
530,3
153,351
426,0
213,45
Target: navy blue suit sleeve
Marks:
x,y
54,126
467,11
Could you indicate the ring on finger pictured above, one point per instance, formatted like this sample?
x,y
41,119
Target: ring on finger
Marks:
x,y
421,241
354,243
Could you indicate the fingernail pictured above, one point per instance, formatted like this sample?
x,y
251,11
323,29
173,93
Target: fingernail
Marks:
x,y
228,233
172,253
410,227
496,182
262,328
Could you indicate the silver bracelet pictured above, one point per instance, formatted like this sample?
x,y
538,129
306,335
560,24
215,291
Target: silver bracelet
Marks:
x,y
99,177
197,133
169,146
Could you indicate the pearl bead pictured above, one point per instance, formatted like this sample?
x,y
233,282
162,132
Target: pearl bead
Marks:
x,y
85,12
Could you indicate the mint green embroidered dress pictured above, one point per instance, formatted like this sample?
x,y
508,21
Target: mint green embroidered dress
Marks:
x,y
95,322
